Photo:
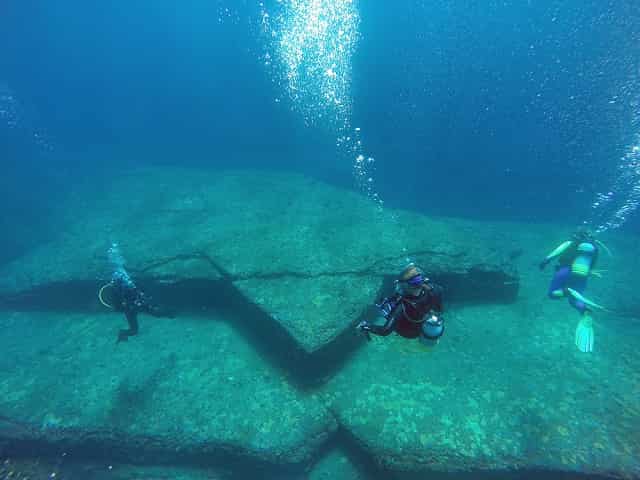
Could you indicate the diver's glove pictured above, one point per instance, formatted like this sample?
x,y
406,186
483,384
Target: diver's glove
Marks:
x,y
364,328
387,305
543,263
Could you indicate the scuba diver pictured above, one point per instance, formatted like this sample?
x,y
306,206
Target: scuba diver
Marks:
x,y
576,258
126,297
414,311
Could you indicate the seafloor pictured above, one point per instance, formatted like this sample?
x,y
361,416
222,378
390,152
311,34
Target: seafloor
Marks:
x,y
261,374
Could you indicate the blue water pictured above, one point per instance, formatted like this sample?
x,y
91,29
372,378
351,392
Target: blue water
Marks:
x,y
492,110
503,107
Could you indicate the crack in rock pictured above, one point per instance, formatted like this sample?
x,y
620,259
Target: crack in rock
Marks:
x,y
366,271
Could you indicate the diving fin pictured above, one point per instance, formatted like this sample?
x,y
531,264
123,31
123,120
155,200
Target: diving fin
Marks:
x,y
584,334
586,301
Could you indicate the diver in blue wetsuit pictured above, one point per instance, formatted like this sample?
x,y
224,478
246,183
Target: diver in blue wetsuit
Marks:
x,y
576,258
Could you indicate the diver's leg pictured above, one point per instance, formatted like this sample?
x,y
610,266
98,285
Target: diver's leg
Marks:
x,y
584,331
558,282
132,320
578,284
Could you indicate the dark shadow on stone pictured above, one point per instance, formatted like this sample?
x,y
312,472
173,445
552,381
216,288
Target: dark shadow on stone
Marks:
x,y
132,400
366,461
479,285
266,335
72,296
113,447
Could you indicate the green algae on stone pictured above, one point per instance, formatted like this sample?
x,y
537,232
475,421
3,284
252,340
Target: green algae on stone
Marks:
x,y
312,310
189,386
313,255
496,394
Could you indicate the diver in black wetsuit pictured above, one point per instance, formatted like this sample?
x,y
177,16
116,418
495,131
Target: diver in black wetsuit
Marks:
x,y
131,300
414,311
126,297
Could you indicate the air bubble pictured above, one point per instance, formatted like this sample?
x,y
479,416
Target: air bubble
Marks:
x,y
310,45
613,208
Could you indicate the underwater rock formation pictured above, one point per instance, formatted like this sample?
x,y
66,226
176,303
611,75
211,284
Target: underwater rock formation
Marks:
x,y
507,395
192,392
312,257
266,270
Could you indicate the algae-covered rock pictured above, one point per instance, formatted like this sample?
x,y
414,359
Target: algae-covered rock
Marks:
x,y
193,389
505,391
313,311
313,257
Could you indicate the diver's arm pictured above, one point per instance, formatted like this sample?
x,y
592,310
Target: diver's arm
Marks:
x,y
156,311
389,324
382,330
559,250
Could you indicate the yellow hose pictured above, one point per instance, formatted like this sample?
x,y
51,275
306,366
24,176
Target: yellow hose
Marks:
x,y
100,296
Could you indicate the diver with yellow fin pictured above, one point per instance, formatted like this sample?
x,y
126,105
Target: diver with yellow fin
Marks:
x,y
576,258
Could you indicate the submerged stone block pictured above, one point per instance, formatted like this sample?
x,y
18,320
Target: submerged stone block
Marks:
x,y
504,393
313,311
314,257
192,390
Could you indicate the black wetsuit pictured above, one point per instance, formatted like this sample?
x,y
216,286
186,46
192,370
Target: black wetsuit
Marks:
x,y
130,300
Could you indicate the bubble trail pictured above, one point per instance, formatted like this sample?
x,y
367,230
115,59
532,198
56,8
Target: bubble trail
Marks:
x,y
13,117
614,207
310,46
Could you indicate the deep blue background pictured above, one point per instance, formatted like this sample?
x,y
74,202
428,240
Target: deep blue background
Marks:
x,y
509,109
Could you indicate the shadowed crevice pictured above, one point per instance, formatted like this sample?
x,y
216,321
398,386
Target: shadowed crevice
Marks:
x,y
21,440
367,463
201,296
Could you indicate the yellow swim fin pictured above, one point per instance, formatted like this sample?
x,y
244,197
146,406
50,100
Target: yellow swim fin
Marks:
x,y
584,334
